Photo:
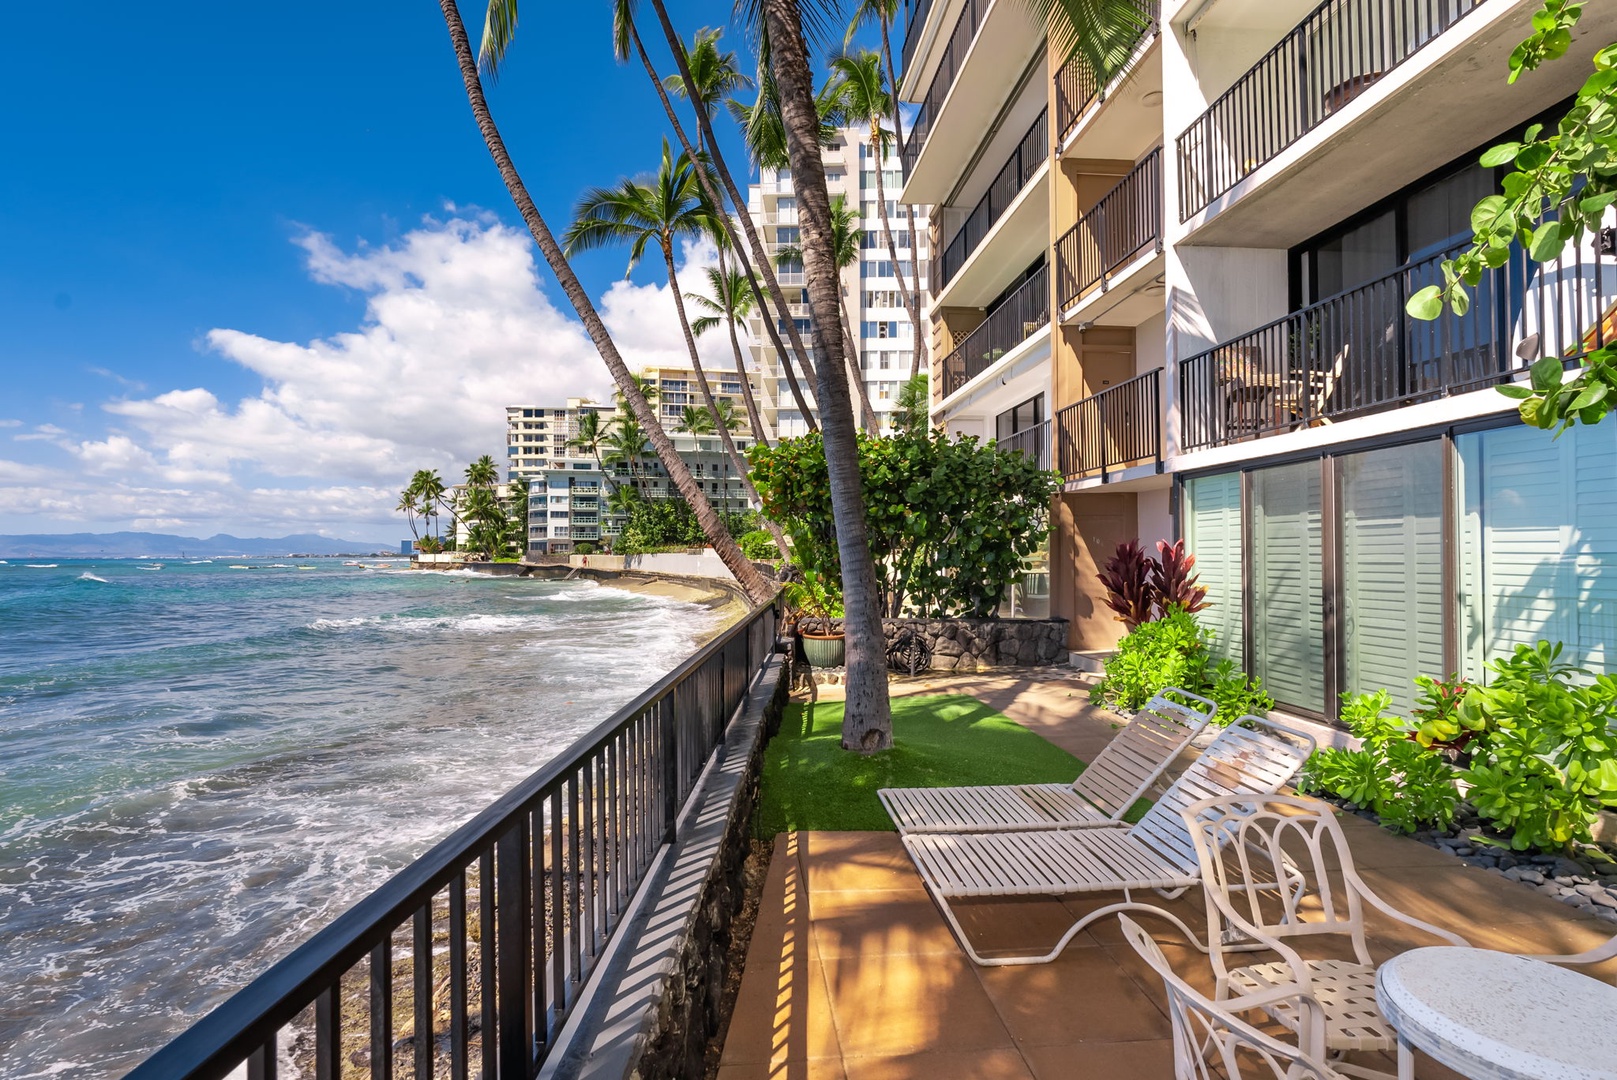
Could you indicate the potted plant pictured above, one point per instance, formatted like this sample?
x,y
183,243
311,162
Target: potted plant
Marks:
x,y
817,601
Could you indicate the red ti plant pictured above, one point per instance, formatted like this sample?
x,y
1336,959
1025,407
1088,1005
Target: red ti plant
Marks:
x,y
1172,580
1129,588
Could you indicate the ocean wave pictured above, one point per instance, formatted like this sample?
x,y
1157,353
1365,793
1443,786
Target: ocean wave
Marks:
x,y
41,565
87,576
428,624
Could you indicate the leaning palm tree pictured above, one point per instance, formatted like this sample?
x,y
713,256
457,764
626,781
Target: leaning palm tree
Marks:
x,y
867,717
433,495
751,581
732,301
861,97
695,421
728,415
409,507
659,210
845,243
884,13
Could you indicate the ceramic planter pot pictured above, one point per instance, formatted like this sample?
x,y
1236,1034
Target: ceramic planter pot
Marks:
x,y
824,650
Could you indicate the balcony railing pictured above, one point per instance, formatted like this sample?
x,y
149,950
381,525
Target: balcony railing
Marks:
x,y
525,898
954,55
1118,428
1023,314
919,10
1030,153
1125,223
1358,352
1033,441
1332,56
1078,85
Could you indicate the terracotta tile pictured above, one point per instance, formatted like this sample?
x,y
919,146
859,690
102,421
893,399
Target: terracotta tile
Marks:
x,y
1188,962
856,860
1465,899
904,1003
1084,995
851,923
781,1014
971,1065
813,1069
1148,1060
1190,908
1017,925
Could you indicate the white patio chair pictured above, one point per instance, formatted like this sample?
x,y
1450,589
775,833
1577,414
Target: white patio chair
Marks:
x,y
1238,842
1210,1042
1120,775
1252,756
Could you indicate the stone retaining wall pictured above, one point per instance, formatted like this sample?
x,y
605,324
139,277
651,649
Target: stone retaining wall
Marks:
x,y
979,644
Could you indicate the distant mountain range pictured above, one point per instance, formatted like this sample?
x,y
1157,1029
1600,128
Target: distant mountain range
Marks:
x,y
113,545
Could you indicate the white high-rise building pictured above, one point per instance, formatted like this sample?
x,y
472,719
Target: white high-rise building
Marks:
x,y
883,336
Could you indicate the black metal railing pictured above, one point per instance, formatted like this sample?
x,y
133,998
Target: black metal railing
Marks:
x,y
1078,85
1031,152
1358,352
1332,56
488,938
937,91
1118,428
1023,314
1033,441
919,10
1125,223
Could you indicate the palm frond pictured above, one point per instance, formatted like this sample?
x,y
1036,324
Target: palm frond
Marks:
x,y
1102,32
499,30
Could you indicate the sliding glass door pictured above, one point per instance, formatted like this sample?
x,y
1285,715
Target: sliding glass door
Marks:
x,y
1287,586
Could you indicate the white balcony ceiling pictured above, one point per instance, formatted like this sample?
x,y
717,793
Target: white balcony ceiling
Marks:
x,y
1009,248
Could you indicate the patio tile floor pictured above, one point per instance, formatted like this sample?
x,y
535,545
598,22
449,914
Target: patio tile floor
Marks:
x,y
853,975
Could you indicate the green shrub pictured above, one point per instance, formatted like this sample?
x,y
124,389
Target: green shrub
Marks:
x,y
583,547
1408,785
1175,651
758,544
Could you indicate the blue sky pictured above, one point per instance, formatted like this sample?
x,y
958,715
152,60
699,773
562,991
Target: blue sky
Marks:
x,y
231,235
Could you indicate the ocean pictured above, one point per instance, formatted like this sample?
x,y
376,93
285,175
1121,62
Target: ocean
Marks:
x,y
202,763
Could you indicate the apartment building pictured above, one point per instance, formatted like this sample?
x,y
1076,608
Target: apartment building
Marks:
x,y
569,488
883,335
1184,289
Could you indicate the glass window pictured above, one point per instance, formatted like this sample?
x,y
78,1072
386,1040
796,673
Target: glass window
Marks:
x,y
1288,640
1212,517
1537,544
1392,569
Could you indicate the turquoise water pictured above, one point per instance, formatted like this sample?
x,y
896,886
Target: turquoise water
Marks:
x,y
201,765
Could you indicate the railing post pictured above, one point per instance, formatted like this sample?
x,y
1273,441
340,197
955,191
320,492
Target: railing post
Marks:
x,y
669,737
512,896
1156,415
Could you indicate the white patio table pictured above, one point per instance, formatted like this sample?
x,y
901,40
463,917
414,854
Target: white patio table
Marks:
x,y
1495,1016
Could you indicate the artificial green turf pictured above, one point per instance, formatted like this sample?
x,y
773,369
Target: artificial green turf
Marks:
x,y
810,782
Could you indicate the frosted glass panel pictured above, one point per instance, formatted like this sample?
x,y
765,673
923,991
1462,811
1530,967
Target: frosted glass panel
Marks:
x,y
1392,569
1538,544
1213,535
1287,629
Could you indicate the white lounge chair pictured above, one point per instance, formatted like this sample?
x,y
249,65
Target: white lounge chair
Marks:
x,y
1239,841
1211,1042
1250,757
1119,776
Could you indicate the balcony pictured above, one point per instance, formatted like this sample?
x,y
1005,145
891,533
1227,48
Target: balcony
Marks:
x,y
1336,53
1024,313
1033,441
912,33
954,57
1123,226
1025,162
1079,88
1116,430
1358,353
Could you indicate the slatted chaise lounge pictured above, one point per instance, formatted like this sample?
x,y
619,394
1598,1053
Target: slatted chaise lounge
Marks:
x,y
1120,775
1252,756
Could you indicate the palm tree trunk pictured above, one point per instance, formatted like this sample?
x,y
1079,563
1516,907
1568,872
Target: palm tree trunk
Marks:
x,y
713,197
705,129
869,420
867,724
753,583
736,460
754,417
912,301
911,304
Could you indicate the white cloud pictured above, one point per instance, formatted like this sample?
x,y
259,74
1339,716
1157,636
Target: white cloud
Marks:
x,y
458,324
10,423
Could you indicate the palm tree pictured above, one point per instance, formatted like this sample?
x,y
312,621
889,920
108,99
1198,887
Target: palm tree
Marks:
x,y
409,507
845,242
693,421
751,581
659,210
591,437
732,301
884,13
728,415
626,445
913,411
431,488
867,718
862,97
482,473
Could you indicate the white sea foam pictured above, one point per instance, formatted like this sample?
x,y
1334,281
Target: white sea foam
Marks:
x,y
87,576
41,565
